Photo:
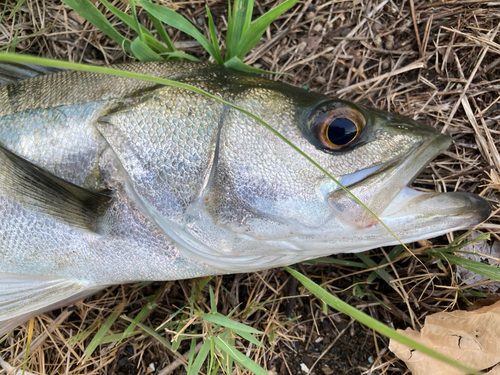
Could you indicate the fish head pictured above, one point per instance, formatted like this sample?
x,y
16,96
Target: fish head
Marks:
x,y
263,189
234,195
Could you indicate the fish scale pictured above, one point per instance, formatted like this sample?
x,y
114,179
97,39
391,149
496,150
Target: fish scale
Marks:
x,y
106,180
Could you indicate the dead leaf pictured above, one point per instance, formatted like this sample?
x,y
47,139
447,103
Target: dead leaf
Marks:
x,y
470,337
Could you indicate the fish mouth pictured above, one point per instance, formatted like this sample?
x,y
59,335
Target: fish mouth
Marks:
x,y
409,213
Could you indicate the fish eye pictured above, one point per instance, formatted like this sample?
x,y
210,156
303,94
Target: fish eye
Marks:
x,y
337,128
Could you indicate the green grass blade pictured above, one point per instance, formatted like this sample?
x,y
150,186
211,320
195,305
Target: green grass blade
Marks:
x,y
150,331
162,81
248,15
229,33
99,336
16,8
213,36
88,11
192,349
143,52
455,246
374,324
136,20
213,304
201,357
226,361
239,357
119,337
204,281
255,31
170,322
396,250
179,337
342,262
150,305
481,268
174,19
250,337
74,339
229,323
3,11
12,47
179,55
475,293
234,33
381,272
162,33
156,46
149,39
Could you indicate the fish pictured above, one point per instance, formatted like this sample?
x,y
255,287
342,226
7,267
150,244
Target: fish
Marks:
x,y
107,180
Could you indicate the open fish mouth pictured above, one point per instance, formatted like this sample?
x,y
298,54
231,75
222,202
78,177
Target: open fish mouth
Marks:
x,y
411,214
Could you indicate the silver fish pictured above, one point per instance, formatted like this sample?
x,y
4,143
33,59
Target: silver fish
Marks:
x,y
107,180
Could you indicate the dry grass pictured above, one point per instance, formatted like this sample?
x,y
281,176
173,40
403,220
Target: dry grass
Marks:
x,y
437,62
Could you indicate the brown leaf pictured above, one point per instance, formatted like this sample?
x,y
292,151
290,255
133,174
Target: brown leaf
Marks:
x,y
470,337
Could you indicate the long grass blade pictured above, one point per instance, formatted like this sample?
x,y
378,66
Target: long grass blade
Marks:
x,y
478,267
342,262
239,357
255,31
239,16
142,314
88,10
136,20
374,324
150,331
248,15
229,323
200,358
149,39
162,33
143,52
213,36
16,8
250,337
99,336
229,32
174,19
3,11
371,264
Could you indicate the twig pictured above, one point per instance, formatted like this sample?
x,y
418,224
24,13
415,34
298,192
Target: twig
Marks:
x,y
469,81
179,362
414,65
41,339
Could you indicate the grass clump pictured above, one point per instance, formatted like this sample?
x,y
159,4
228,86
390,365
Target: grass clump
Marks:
x,y
241,36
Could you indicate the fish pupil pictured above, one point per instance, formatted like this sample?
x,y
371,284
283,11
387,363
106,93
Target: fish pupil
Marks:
x,y
341,131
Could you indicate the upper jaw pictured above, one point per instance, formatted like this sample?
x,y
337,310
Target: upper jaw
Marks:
x,y
379,189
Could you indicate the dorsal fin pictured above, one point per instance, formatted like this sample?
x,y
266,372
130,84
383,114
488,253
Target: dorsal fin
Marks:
x,y
15,72
43,192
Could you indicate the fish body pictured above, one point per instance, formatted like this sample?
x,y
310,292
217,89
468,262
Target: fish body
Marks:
x,y
106,180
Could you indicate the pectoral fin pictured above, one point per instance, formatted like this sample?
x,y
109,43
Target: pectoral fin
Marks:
x,y
24,296
40,190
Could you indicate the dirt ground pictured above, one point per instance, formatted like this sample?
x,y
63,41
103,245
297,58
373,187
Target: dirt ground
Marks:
x,y
435,61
